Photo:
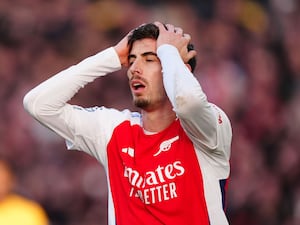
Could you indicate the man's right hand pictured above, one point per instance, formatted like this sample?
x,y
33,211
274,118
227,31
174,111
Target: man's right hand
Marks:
x,y
122,50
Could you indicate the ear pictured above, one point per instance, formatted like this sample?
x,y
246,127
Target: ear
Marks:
x,y
188,66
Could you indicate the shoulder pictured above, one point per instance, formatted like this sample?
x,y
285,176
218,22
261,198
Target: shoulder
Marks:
x,y
106,115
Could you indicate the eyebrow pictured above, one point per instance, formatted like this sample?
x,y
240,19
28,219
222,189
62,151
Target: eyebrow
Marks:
x,y
144,54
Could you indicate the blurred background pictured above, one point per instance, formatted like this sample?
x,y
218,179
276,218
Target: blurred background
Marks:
x,y
248,64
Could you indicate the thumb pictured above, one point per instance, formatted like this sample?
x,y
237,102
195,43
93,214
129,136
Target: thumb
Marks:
x,y
190,55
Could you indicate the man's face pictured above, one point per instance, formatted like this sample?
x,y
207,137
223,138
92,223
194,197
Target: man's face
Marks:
x,y
145,75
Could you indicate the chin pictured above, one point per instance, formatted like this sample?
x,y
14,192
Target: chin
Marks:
x,y
141,103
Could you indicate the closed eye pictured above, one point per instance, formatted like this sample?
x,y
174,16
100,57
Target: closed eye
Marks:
x,y
131,59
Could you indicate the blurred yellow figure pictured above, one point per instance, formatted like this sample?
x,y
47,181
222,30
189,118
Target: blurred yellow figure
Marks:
x,y
16,209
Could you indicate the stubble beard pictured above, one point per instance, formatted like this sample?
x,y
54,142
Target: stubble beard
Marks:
x,y
141,103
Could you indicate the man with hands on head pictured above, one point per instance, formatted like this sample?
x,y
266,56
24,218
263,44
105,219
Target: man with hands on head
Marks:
x,y
168,163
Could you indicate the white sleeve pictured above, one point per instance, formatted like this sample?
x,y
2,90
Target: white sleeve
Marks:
x,y
204,123
47,102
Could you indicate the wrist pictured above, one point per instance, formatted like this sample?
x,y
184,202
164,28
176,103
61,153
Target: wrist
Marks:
x,y
123,55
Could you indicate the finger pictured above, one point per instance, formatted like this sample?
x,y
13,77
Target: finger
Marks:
x,y
187,36
192,54
178,30
170,27
160,25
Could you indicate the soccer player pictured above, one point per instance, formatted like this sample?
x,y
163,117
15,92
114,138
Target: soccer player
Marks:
x,y
168,163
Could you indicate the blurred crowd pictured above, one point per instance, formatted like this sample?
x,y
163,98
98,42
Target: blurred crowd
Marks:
x,y
248,64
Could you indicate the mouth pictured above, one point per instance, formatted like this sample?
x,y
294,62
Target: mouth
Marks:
x,y
137,86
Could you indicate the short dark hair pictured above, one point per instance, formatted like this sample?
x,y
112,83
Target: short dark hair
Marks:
x,y
150,30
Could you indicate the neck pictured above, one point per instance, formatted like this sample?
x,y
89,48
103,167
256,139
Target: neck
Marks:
x,y
158,120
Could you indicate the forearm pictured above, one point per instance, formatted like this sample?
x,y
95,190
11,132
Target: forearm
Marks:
x,y
187,97
47,102
51,95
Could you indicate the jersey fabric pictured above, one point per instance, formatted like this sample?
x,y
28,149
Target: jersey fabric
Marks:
x,y
155,173
177,176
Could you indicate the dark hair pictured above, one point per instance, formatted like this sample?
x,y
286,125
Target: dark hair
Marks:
x,y
150,30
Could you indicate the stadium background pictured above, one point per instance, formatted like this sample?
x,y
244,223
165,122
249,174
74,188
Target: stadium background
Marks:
x,y
248,63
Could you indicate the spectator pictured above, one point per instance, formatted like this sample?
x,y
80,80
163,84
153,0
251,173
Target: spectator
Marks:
x,y
14,208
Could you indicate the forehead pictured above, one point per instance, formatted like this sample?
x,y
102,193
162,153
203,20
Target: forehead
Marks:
x,y
144,45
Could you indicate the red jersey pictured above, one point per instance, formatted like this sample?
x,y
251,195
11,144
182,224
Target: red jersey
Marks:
x,y
150,177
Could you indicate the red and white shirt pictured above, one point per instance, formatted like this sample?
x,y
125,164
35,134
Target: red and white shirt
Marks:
x,y
177,176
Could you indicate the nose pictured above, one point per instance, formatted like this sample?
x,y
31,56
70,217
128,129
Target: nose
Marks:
x,y
135,68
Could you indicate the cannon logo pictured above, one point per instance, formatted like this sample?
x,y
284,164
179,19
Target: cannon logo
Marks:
x,y
166,145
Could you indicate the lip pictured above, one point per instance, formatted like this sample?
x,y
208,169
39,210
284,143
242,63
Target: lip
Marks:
x,y
137,86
